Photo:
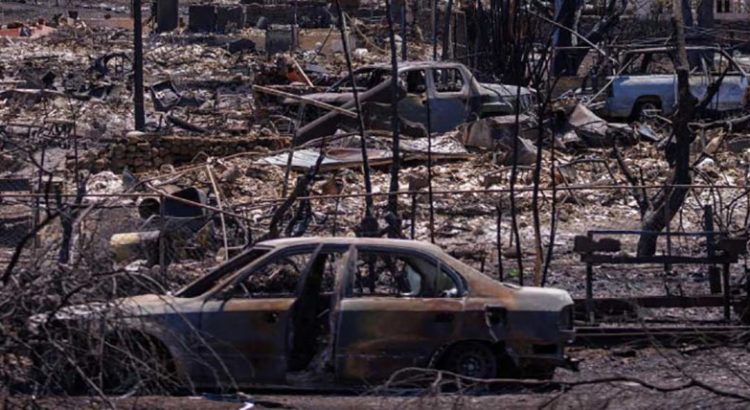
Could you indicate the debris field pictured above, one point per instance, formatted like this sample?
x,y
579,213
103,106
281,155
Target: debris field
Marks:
x,y
385,204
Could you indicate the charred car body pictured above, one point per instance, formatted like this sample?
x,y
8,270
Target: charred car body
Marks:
x,y
344,310
647,81
450,91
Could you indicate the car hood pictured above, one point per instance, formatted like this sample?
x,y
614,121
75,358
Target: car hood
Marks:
x,y
141,305
149,304
541,299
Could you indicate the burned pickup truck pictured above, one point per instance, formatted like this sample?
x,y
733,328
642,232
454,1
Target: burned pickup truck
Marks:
x,y
647,82
324,311
448,90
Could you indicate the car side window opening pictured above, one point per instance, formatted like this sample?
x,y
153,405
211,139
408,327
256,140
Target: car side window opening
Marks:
x,y
277,278
365,79
448,80
328,279
718,63
400,275
649,63
415,82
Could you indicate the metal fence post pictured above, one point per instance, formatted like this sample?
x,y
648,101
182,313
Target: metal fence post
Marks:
x,y
500,273
162,238
413,213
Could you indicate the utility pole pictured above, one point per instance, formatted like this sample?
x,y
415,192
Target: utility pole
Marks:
x,y
140,115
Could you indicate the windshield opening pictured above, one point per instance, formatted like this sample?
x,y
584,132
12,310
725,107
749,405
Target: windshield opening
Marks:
x,y
366,78
207,282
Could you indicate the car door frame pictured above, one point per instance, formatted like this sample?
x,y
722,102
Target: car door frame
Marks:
x,y
440,105
271,314
372,359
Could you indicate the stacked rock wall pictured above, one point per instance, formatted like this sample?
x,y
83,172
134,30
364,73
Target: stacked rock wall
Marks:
x,y
140,153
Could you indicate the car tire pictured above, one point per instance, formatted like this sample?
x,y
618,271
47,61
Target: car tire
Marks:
x,y
52,372
137,363
471,359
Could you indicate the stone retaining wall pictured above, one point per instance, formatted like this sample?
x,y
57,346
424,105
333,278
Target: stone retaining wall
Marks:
x,y
142,153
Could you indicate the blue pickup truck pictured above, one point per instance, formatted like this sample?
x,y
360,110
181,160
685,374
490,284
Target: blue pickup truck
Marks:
x,y
646,82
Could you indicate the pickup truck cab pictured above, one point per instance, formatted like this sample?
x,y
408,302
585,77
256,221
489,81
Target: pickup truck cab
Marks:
x,y
647,81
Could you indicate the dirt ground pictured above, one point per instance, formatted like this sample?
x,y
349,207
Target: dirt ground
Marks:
x,y
725,369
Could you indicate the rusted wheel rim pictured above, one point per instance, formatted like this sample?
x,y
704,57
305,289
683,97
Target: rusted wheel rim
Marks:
x,y
473,360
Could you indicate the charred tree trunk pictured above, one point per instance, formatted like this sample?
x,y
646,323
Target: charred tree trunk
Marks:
x,y
565,14
615,9
687,14
706,14
139,114
670,199
447,30
394,230
369,225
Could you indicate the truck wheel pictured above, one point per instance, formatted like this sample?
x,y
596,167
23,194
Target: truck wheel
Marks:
x,y
642,106
471,359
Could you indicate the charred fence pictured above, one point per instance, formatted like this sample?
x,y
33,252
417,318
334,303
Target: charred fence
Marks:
x,y
181,227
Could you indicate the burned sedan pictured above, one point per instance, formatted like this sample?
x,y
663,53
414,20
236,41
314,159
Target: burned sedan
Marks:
x,y
323,311
448,90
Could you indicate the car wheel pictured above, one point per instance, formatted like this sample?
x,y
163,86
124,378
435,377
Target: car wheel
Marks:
x,y
52,372
471,359
138,364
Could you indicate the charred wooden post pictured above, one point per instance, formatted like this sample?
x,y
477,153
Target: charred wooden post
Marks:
x,y
434,29
498,228
413,214
517,62
403,31
553,215
163,238
369,224
446,29
714,278
394,230
727,292
140,115
429,168
669,202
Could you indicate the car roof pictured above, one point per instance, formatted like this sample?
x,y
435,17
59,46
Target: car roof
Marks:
x,y
405,244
